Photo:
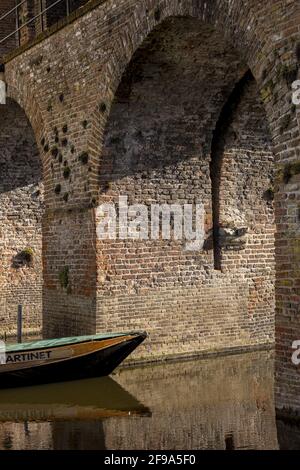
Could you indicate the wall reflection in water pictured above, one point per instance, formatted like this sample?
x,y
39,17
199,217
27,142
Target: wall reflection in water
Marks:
x,y
217,403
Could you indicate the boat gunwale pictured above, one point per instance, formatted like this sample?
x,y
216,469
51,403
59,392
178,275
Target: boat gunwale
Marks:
x,y
66,341
34,364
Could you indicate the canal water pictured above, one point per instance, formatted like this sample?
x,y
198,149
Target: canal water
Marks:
x,y
217,403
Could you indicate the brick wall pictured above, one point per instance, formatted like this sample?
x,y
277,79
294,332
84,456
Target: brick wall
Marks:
x,y
67,93
21,196
157,150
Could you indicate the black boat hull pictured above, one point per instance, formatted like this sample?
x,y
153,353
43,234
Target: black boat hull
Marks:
x,y
95,364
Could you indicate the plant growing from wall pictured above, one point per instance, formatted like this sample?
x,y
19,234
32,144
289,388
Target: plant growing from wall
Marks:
x,y
64,277
26,255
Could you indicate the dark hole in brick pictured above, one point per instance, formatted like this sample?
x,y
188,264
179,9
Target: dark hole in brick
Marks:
x,y
60,158
64,142
84,158
57,189
103,107
46,148
269,194
65,129
61,97
24,257
67,172
42,142
84,124
66,197
157,14
54,152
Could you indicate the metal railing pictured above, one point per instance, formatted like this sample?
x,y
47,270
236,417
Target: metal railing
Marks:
x,y
41,15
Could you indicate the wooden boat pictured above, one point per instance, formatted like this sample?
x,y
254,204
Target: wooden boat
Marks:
x,y
84,400
63,359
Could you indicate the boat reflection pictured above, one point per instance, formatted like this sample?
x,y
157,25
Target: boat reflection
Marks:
x,y
82,400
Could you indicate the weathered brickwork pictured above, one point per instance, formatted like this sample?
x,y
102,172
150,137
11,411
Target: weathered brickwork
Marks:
x,y
21,200
156,74
153,152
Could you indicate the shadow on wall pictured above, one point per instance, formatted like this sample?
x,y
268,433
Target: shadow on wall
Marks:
x,y
20,164
161,117
21,204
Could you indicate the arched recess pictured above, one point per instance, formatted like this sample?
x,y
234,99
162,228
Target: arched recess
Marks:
x,y
242,176
158,149
21,211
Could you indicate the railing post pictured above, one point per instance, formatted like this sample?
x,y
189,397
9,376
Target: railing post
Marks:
x,y
68,7
18,25
19,326
42,15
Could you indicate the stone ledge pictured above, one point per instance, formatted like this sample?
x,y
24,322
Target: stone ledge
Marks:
x,y
131,363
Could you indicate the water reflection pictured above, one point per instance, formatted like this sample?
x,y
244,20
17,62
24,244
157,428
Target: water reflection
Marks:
x,y
80,400
220,403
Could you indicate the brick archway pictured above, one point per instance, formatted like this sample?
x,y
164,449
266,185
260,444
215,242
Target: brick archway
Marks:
x,y
157,149
75,88
250,34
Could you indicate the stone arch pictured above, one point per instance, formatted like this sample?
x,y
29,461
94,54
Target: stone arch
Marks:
x,y
22,207
24,97
157,148
26,100
242,174
238,22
